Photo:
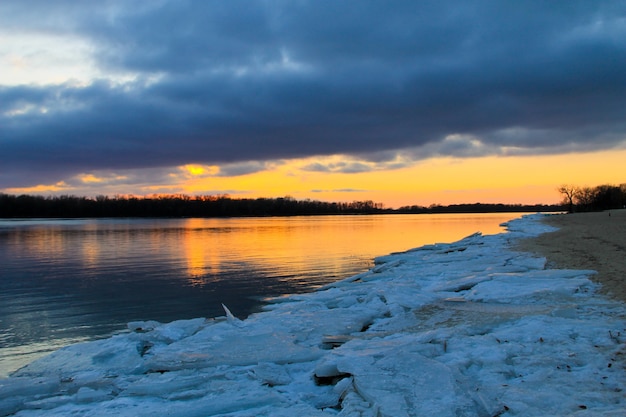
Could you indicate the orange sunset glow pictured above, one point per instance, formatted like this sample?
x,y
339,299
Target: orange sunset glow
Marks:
x,y
501,179
512,180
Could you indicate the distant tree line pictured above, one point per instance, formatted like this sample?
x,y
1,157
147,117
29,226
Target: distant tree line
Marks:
x,y
481,208
601,197
179,205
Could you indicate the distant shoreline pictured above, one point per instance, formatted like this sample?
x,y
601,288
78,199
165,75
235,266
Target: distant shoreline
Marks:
x,y
210,206
594,241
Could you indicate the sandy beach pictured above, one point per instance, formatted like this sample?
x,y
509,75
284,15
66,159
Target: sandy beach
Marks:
x,y
587,241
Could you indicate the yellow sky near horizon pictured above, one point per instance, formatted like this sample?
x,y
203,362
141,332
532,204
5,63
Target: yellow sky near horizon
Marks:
x,y
492,179
513,179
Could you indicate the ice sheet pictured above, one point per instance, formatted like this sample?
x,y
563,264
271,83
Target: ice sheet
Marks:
x,y
469,328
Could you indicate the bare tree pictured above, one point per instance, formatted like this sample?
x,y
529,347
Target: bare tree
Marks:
x,y
585,197
569,194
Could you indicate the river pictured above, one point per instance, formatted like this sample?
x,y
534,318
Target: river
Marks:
x,y
64,281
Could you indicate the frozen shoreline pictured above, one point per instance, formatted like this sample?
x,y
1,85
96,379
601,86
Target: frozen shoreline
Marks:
x,y
468,328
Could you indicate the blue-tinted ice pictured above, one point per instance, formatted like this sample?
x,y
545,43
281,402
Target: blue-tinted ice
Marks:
x,y
463,329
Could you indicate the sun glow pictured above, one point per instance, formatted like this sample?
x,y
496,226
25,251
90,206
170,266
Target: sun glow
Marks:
x,y
196,170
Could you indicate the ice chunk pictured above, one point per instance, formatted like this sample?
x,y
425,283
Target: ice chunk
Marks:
x,y
545,284
231,318
230,349
271,374
397,380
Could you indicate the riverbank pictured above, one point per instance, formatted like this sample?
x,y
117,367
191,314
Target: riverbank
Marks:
x,y
594,241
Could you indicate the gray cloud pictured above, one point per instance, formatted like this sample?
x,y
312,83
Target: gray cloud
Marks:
x,y
378,161
351,167
243,168
240,81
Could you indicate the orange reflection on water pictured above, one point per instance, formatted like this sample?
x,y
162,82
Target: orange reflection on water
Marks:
x,y
90,253
199,251
91,248
293,246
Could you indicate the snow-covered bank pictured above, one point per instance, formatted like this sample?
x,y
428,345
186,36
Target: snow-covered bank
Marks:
x,y
463,329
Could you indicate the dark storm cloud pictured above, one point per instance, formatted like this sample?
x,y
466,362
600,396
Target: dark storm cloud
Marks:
x,y
238,81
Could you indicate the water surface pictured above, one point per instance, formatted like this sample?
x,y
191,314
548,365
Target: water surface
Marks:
x,y
63,281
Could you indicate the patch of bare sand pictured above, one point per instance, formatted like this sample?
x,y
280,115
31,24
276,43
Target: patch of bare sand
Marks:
x,y
586,241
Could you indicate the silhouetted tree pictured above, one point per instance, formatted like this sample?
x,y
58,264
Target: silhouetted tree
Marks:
x,y
569,194
602,197
584,198
607,197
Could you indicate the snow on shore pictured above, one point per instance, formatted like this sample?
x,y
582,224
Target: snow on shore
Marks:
x,y
463,329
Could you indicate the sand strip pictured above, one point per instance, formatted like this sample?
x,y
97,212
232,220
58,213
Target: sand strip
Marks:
x,y
587,241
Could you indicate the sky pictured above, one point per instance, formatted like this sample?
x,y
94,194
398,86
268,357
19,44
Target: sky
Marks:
x,y
400,102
